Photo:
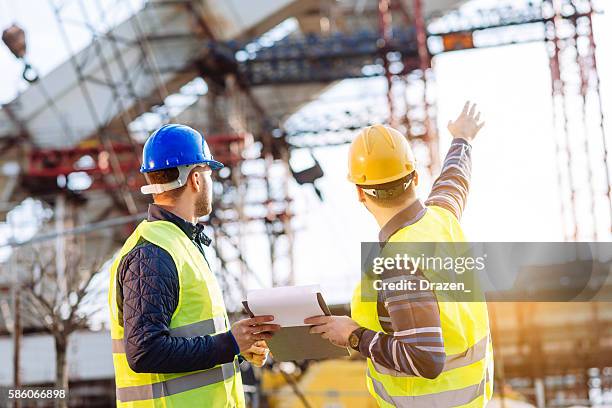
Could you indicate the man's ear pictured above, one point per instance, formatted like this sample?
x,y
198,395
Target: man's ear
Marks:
x,y
196,181
360,194
415,179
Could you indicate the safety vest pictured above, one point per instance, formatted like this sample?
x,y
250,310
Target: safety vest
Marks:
x,y
467,377
200,311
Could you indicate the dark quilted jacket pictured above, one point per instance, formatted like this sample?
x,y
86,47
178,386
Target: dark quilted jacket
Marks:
x,y
148,291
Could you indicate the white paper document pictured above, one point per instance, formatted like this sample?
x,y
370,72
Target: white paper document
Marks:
x,y
289,305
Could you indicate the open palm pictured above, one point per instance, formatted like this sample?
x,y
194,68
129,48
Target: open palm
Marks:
x,y
467,125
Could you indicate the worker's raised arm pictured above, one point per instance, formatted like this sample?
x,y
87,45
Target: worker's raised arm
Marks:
x,y
451,188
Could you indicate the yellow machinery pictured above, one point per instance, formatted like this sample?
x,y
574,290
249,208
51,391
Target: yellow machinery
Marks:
x,y
327,384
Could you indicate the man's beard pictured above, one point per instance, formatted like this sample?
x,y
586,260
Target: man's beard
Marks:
x,y
203,205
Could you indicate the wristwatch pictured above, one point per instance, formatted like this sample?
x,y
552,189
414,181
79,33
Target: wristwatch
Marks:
x,y
355,337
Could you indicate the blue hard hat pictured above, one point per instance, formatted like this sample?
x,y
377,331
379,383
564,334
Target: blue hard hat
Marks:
x,y
176,145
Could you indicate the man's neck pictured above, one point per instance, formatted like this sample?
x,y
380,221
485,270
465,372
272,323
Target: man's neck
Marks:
x,y
383,215
180,211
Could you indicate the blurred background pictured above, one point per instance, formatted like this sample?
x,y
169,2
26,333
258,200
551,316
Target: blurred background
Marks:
x,y
280,87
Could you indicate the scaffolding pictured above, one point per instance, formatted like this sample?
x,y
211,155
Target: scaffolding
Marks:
x,y
252,194
110,156
581,145
120,84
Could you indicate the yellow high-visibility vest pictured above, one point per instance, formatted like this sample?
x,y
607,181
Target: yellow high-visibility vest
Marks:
x,y
467,377
200,311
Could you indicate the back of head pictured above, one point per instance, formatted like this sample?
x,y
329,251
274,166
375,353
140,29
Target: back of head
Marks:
x,y
165,176
382,164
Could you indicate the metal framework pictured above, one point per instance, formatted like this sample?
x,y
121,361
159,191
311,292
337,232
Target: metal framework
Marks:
x,y
581,142
426,129
535,361
402,56
578,119
123,94
253,198
111,157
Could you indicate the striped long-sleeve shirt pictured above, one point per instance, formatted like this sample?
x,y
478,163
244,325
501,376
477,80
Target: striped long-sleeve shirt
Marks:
x,y
412,340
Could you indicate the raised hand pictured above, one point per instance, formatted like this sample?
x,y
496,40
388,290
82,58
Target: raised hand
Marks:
x,y
467,125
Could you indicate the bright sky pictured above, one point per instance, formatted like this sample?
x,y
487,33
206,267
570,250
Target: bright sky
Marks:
x,y
514,195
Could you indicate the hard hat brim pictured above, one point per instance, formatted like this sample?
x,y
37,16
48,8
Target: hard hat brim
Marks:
x,y
374,182
214,165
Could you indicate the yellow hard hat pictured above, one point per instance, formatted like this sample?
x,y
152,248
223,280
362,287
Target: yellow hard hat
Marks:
x,y
379,154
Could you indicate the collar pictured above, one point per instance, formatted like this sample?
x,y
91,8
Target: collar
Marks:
x,y
405,217
195,232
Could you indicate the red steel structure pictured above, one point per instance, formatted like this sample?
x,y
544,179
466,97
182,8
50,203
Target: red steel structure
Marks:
x,y
581,144
111,156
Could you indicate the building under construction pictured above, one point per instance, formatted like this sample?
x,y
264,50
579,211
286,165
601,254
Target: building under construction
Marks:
x,y
241,71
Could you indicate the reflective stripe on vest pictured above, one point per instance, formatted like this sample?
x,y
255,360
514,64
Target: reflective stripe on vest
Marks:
x,y
178,385
472,355
443,399
202,328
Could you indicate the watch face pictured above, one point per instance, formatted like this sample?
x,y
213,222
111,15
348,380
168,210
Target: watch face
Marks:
x,y
354,340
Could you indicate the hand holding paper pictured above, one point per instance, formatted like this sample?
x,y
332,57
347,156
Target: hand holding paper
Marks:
x,y
248,331
290,306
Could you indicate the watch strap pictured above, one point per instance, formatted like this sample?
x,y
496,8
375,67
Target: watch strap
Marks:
x,y
357,332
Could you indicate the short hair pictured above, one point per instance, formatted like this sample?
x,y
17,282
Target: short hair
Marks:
x,y
165,176
391,194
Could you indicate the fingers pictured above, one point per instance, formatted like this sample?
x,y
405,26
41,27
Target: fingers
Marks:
x,y
257,320
253,337
480,126
258,350
472,111
249,331
261,332
318,329
258,361
265,328
477,117
317,320
256,324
